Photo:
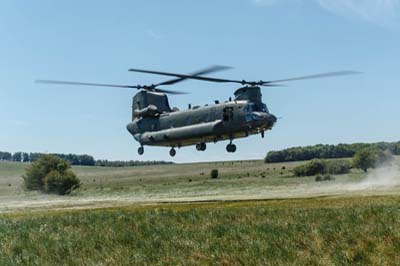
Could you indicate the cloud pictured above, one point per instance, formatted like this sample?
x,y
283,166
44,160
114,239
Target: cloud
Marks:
x,y
381,12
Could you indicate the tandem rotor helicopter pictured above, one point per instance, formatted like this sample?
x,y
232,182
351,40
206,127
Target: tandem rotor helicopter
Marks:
x,y
154,123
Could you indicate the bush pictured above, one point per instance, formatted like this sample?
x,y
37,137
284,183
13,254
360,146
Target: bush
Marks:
x,y
61,183
321,167
311,168
51,174
328,178
214,173
320,178
337,167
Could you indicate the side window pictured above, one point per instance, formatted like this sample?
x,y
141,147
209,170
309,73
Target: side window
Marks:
x,y
227,114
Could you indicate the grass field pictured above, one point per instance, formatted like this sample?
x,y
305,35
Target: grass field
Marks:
x,y
253,214
108,186
152,183
321,231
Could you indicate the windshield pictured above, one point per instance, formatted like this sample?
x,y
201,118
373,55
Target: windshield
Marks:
x,y
251,107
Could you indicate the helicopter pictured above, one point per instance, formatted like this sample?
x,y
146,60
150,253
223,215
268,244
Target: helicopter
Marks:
x,y
155,123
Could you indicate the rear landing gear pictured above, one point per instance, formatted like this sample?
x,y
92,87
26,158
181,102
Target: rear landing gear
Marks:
x,y
140,150
231,147
201,146
172,152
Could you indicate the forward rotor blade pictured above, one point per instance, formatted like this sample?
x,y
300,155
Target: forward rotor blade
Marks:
x,y
272,85
322,75
168,91
184,76
208,70
87,84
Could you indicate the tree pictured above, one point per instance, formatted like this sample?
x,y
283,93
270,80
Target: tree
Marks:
x,y
51,174
364,159
17,157
5,156
25,157
86,160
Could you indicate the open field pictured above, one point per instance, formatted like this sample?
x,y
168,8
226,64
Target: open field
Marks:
x,y
244,180
320,231
253,214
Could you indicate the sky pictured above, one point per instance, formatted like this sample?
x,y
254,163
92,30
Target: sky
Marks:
x,y
98,41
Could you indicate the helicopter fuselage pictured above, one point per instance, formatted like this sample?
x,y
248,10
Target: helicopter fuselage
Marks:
x,y
211,123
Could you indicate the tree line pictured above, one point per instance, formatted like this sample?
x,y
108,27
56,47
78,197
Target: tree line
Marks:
x,y
74,159
322,151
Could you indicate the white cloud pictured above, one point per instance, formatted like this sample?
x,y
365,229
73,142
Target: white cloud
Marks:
x,y
381,12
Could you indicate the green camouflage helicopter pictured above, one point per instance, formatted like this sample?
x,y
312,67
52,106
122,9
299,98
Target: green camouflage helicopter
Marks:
x,y
154,123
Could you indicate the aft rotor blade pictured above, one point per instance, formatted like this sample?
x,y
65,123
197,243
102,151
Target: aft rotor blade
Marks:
x,y
184,76
87,84
208,70
322,75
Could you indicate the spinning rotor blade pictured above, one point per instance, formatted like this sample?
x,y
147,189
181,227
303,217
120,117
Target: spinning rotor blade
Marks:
x,y
322,75
166,91
144,87
208,70
87,84
244,82
149,88
183,76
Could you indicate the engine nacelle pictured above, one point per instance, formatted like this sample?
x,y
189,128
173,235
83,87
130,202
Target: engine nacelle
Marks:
x,y
149,111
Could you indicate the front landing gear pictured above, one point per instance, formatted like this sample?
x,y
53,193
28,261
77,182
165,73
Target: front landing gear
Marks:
x,y
140,150
231,147
172,152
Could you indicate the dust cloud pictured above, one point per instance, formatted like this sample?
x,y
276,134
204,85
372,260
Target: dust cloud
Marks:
x,y
385,175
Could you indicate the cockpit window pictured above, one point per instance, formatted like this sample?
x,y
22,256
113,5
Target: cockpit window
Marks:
x,y
251,107
264,108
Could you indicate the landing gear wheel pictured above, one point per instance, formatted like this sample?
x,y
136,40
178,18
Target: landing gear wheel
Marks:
x,y
140,150
231,147
172,152
201,146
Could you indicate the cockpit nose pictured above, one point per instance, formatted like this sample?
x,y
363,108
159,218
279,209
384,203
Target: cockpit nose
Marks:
x,y
258,116
273,118
264,118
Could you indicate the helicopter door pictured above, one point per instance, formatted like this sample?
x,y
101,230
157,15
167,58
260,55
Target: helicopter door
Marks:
x,y
227,114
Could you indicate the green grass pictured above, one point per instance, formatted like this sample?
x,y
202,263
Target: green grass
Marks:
x,y
169,179
123,223
324,231
109,186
